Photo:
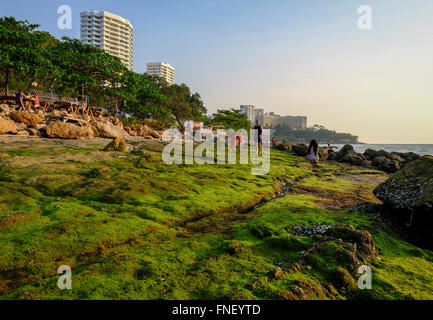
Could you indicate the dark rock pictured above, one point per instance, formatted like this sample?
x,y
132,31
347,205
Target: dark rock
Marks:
x,y
348,155
323,153
409,195
300,149
118,145
284,146
385,164
332,155
277,273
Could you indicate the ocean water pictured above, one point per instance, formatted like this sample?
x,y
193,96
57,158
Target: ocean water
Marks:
x,y
422,149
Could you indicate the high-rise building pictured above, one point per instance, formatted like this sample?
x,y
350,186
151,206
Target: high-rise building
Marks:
x,y
161,69
109,32
253,114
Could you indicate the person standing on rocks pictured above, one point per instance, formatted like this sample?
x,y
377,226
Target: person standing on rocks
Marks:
x,y
259,129
313,152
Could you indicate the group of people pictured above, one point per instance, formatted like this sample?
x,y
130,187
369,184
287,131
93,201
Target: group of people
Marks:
x,y
76,107
25,105
312,150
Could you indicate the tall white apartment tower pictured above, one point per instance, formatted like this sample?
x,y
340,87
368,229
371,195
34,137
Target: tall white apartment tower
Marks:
x,y
161,69
109,32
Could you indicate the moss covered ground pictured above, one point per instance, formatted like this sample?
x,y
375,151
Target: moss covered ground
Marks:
x,y
131,227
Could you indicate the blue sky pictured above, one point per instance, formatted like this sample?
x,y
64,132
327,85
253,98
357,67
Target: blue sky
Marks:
x,y
292,57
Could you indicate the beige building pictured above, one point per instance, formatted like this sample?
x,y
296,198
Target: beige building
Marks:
x,y
271,120
108,32
253,114
161,69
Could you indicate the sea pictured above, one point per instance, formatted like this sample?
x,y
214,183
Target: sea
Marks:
x,y
421,149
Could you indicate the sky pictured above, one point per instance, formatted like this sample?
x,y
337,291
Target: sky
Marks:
x,y
290,57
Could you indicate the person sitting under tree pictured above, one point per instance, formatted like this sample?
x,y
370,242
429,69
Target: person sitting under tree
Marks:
x,y
21,96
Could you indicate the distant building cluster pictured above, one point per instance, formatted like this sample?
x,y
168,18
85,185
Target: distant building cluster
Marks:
x,y
271,120
163,70
115,34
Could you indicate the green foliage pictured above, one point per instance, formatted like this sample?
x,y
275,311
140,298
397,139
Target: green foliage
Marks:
x,y
231,119
320,133
73,68
24,49
183,105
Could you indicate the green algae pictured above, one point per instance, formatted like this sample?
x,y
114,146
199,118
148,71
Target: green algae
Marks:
x,y
139,229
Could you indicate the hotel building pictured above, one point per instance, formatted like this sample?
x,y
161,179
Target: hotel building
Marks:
x,y
108,32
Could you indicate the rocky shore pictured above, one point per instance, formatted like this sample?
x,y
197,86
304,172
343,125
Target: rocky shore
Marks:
x,y
65,125
407,195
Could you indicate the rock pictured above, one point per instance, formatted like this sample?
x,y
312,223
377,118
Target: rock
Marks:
x,y
332,155
118,145
108,130
363,239
284,146
409,196
300,149
323,153
25,117
56,113
33,131
5,108
387,165
408,157
348,155
7,126
343,280
68,131
22,126
277,273
390,161
23,133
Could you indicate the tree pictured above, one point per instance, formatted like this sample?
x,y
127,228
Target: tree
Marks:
x,y
184,106
231,119
143,96
86,66
23,50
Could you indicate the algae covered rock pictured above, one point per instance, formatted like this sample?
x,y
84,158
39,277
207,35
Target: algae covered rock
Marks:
x,y
300,149
409,196
387,165
390,162
411,188
284,146
118,145
348,155
323,153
